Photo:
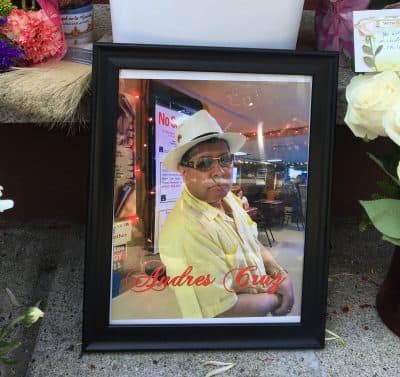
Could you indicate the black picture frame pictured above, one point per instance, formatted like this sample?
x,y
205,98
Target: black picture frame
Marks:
x,y
109,59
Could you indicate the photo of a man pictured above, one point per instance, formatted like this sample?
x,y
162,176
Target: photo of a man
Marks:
x,y
209,232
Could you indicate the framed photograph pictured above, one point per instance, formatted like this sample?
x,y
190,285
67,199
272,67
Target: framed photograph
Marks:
x,y
208,220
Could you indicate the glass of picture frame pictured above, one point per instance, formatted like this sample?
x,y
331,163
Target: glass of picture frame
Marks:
x,y
282,103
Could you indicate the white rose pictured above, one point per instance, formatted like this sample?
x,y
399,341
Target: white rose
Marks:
x,y
398,170
391,122
368,97
5,204
31,315
366,27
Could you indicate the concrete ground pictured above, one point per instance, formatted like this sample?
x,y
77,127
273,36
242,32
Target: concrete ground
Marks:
x,y
44,260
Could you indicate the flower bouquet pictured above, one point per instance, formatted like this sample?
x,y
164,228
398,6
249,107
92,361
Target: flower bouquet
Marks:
x,y
374,110
30,36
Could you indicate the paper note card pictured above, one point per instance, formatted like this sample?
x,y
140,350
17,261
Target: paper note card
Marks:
x,y
377,40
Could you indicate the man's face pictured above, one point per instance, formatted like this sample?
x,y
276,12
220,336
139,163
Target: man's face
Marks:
x,y
212,185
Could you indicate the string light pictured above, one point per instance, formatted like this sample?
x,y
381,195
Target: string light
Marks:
x,y
135,94
278,163
280,133
134,219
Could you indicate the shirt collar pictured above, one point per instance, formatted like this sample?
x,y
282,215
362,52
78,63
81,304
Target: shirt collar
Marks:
x,y
208,210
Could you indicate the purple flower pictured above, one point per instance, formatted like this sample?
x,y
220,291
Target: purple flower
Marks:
x,y
3,20
9,54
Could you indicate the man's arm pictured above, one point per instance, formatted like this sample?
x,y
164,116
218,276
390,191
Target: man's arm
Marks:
x,y
285,289
252,305
272,267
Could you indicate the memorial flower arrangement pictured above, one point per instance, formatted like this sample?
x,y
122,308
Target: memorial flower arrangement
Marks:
x,y
373,111
30,36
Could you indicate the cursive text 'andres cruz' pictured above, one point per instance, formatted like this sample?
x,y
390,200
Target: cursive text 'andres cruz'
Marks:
x,y
243,279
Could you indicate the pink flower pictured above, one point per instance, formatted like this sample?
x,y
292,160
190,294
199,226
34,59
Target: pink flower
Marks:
x,y
35,33
334,24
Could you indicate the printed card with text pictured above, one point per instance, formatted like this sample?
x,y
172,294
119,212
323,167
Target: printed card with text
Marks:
x,y
377,40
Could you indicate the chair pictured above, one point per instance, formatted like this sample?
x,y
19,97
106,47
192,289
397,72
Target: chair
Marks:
x,y
294,209
263,221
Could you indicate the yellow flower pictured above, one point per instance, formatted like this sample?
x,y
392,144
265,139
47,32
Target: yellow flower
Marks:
x,y
31,315
5,7
369,97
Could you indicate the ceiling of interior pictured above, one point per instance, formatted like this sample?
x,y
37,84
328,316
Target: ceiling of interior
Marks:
x,y
243,106
253,108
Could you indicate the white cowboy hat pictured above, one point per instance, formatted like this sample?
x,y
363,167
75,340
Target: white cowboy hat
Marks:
x,y
193,130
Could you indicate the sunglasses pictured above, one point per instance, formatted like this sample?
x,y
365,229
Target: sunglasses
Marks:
x,y
206,163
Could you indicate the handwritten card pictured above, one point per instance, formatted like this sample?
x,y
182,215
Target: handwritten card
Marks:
x,y
377,40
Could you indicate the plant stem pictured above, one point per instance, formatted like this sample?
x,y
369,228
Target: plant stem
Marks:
x,y
370,45
7,330
23,4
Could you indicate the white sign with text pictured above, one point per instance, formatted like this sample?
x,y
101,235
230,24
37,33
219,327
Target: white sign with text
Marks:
x,y
169,184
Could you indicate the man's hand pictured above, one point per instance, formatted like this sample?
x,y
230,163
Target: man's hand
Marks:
x,y
285,289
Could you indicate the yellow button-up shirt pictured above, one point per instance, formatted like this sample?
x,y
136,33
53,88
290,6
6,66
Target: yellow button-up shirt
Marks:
x,y
199,235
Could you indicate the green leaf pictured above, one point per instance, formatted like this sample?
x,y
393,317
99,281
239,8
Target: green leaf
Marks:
x,y
367,50
335,337
384,215
7,361
379,162
347,60
7,347
378,50
394,241
7,329
369,62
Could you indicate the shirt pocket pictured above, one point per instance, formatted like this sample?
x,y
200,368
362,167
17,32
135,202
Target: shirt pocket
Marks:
x,y
228,239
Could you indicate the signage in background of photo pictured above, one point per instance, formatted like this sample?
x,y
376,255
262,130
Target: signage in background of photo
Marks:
x,y
122,232
169,184
234,174
120,253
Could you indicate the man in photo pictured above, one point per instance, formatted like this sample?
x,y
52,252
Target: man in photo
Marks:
x,y
210,237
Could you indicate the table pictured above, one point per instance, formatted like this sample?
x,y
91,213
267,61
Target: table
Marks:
x,y
271,210
252,212
270,202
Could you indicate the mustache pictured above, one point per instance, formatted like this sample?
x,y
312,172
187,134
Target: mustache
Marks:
x,y
211,182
